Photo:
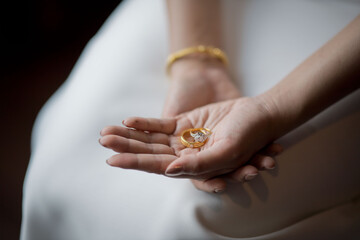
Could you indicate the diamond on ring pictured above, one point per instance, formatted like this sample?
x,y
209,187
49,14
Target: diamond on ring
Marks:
x,y
200,136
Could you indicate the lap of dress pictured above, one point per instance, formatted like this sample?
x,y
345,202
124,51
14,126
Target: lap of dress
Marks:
x,y
70,192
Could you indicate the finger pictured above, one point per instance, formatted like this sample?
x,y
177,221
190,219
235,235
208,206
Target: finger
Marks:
x,y
243,174
121,144
273,149
215,185
263,162
136,135
152,163
206,161
169,111
165,125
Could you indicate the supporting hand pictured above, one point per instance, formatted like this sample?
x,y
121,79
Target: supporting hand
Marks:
x,y
196,82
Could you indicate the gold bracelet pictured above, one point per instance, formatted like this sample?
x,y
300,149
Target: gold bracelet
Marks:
x,y
211,51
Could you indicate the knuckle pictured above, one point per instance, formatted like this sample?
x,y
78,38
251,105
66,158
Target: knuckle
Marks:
x,y
196,168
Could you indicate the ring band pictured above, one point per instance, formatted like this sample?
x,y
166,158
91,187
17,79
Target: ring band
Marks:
x,y
200,137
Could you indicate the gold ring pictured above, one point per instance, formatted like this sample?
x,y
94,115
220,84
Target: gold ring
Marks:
x,y
200,136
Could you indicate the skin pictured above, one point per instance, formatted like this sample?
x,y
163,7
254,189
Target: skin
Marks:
x,y
211,79
155,145
197,79
241,127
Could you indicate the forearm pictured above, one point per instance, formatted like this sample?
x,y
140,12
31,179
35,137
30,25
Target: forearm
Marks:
x,y
194,23
325,77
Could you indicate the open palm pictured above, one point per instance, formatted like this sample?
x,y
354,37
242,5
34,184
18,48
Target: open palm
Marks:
x,y
240,129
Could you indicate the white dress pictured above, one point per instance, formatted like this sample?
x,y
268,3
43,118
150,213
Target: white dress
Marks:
x,y
71,193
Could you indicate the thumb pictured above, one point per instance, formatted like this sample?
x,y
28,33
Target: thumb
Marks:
x,y
168,113
212,159
170,109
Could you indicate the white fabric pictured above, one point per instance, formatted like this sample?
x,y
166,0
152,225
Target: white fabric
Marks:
x,y
70,193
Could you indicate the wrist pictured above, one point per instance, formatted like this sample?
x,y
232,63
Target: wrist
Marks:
x,y
208,54
203,66
287,108
277,124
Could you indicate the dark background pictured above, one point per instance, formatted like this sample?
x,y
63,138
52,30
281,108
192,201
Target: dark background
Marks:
x,y
40,42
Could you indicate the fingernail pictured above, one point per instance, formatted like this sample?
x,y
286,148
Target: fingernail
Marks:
x,y
250,176
277,151
218,190
123,122
108,162
270,168
174,171
101,143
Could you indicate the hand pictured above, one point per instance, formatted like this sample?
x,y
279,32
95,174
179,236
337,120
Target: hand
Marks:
x,y
197,82
263,160
240,128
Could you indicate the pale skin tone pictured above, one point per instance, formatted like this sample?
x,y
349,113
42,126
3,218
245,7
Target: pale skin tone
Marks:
x,y
198,80
159,147
242,127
